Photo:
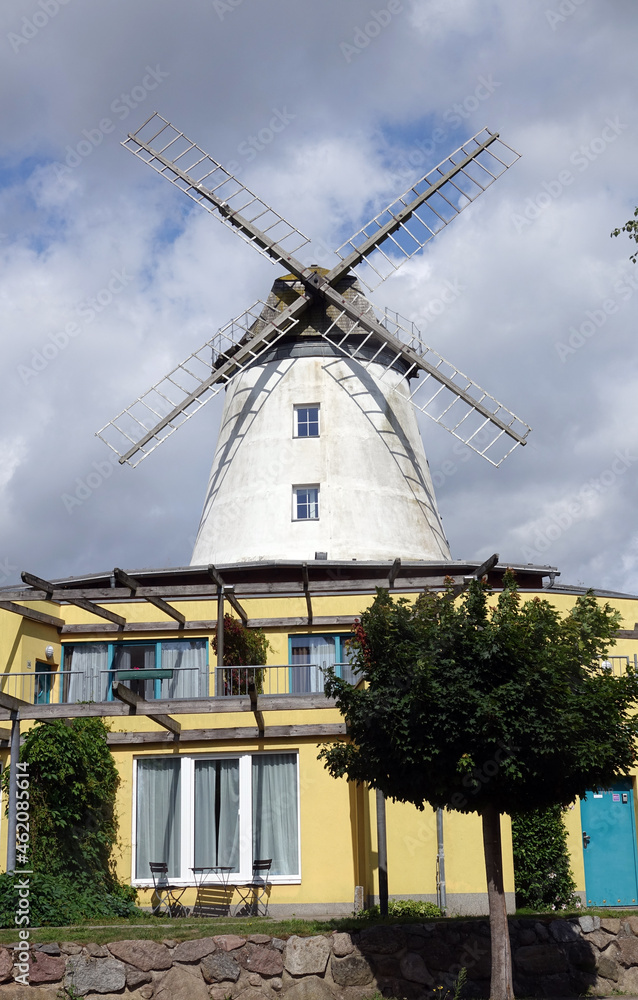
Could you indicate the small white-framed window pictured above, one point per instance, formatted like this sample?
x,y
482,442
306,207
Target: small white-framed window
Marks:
x,y
306,420
305,503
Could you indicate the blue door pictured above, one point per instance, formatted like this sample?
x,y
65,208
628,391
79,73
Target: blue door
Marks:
x,y
609,846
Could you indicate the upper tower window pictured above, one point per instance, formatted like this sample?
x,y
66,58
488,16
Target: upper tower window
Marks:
x,y
306,421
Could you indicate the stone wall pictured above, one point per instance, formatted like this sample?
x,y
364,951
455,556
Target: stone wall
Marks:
x,y
551,958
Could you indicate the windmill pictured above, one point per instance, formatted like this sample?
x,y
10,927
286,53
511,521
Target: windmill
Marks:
x,y
319,449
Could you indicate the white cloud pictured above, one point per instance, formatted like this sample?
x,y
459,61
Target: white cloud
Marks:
x,y
522,287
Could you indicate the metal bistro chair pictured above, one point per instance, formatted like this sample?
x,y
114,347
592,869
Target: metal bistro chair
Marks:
x,y
168,895
256,892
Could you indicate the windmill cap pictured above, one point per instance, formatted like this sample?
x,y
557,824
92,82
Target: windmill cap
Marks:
x,y
313,267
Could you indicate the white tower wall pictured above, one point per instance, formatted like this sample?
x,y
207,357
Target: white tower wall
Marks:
x,y
376,499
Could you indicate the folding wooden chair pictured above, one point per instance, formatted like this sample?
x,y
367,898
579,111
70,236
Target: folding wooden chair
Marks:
x,y
168,896
256,892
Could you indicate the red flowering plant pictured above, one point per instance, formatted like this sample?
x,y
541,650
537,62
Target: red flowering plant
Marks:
x,y
243,648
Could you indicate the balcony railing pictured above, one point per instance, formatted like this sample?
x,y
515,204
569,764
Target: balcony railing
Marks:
x,y
73,686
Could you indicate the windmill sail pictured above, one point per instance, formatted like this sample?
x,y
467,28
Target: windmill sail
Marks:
x,y
383,339
403,228
202,178
137,431
394,236
435,386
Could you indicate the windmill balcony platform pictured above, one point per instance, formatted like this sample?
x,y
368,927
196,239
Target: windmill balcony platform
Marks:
x,y
180,684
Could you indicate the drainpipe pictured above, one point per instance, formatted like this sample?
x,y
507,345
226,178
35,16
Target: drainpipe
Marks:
x,y
382,851
441,895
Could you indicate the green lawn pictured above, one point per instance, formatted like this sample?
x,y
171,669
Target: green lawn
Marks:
x,y
184,929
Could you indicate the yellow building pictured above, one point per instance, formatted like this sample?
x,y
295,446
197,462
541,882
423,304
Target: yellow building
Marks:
x,y
216,771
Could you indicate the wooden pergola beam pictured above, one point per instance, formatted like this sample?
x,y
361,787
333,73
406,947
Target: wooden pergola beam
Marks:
x,y
232,733
216,576
180,706
11,704
34,616
306,590
254,704
484,568
80,602
139,706
157,602
394,571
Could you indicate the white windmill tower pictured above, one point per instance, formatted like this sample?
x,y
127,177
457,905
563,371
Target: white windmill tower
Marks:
x,y
319,453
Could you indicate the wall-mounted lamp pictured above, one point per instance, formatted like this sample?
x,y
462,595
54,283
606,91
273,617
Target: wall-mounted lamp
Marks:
x,y
49,652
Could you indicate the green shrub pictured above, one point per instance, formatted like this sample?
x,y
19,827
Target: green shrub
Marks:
x,y
541,860
59,900
415,909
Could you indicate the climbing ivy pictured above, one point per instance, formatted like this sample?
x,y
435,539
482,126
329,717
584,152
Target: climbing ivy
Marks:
x,y
541,860
72,784
73,827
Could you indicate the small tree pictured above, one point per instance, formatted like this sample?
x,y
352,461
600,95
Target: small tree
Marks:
x,y
485,709
631,228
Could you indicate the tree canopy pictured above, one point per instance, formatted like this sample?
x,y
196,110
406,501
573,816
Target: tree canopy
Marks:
x,y
487,708
468,704
631,228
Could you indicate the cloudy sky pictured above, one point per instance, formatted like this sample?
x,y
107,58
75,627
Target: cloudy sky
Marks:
x,y
110,277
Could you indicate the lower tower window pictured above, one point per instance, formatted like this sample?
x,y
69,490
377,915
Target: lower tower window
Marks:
x,y
305,503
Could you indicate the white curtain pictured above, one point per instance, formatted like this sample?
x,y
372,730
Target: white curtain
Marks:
x,y
315,650
89,679
275,823
217,813
158,815
187,660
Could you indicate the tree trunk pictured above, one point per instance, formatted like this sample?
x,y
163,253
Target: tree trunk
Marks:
x,y
501,987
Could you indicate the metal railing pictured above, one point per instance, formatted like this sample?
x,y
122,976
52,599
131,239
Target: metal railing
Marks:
x,y
73,686
617,665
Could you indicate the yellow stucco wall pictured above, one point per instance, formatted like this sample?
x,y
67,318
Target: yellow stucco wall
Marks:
x,y
338,820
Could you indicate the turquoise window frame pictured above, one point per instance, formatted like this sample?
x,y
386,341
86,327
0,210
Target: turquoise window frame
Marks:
x,y
112,646
339,638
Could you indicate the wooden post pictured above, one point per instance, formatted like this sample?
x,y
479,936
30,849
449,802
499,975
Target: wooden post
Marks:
x,y
382,852
220,626
13,789
440,864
